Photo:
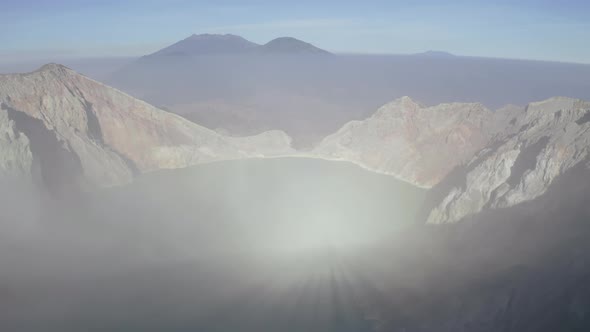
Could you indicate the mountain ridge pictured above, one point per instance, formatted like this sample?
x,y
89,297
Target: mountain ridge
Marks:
x,y
290,45
207,44
229,44
540,143
402,138
61,125
108,135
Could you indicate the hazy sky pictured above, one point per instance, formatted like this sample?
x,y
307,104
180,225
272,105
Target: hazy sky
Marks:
x,y
541,29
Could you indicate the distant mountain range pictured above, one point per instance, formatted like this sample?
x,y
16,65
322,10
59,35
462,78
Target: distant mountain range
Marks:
x,y
235,86
228,44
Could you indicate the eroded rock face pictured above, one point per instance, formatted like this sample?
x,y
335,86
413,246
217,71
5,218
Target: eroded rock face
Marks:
x,y
417,144
109,135
16,158
538,145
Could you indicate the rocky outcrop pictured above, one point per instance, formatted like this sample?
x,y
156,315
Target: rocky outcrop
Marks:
x,y
520,268
417,144
16,158
107,135
537,145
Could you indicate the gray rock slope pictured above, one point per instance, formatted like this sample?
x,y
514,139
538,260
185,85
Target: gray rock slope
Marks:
x,y
65,125
485,160
417,144
521,268
536,146
16,158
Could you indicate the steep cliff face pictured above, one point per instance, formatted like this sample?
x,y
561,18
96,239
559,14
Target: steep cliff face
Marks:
x,y
107,135
520,268
417,144
538,145
16,158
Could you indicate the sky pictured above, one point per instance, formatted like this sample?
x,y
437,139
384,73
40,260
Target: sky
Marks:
x,y
523,29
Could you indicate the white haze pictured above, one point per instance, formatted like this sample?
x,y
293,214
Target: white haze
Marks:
x,y
311,96
190,242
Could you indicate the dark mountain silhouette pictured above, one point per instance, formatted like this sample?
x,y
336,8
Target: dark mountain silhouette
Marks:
x,y
228,44
207,44
310,95
290,45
